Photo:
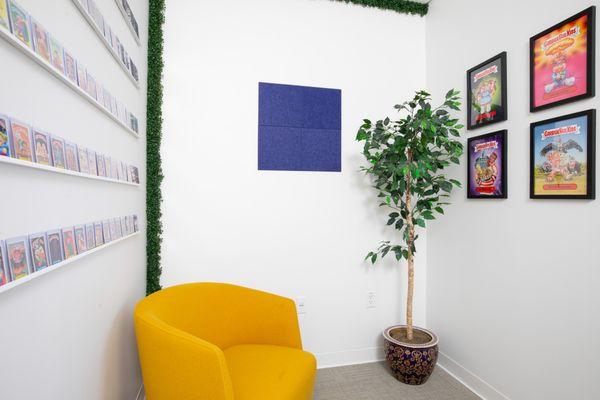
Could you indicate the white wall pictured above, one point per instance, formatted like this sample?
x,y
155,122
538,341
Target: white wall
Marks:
x,y
69,334
293,233
525,319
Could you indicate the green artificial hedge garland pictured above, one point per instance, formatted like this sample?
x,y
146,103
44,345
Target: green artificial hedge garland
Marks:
x,y
153,139
401,6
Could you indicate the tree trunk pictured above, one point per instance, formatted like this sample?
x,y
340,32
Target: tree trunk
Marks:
x,y
411,259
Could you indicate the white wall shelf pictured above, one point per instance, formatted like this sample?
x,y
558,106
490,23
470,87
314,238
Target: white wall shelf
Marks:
x,y
128,22
8,36
34,275
49,168
106,43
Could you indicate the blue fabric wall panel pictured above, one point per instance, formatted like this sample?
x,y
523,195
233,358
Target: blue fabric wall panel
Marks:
x,y
299,128
321,150
299,106
322,108
280,105
279,148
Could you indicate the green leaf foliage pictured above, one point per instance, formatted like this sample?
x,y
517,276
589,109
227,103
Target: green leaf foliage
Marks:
x,y
153,140
401,6
406,158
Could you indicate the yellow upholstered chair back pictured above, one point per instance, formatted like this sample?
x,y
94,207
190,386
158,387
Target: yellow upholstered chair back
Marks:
x,y
183,330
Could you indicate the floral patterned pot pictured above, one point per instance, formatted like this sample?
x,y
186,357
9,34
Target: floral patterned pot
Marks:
x,y
410,363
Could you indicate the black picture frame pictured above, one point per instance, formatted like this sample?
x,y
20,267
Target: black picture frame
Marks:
x,y
590,61
590,152
503,189
502,112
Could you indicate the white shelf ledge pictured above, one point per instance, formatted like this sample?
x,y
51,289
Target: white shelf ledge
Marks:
x,y
49,168
108,46
34,275
8,36
128,22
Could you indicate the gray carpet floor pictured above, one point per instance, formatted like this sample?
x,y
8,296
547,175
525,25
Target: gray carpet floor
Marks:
x,y
374,382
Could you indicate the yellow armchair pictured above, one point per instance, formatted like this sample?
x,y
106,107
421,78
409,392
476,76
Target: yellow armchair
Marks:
x,y
214,341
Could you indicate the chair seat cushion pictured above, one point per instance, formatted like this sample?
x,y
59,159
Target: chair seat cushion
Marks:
x,y
263,372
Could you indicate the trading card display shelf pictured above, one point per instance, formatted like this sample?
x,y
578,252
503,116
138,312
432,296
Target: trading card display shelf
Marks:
x,y
37,274
8,36
49,168
128,22
112,51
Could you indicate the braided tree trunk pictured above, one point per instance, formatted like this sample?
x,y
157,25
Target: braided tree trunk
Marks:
x,y
411,259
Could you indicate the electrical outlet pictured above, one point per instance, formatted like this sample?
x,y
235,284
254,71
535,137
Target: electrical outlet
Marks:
x,y
301,305
370,299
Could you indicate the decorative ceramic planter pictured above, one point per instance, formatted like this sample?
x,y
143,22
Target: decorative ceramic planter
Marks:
x,y
411,363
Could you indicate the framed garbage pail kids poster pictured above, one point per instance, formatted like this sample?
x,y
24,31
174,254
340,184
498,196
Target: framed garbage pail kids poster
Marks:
x,y
562,62
562,157
486,92
486,160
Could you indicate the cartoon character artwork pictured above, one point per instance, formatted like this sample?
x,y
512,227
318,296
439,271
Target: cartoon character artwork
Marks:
x,y
92,162
101,166
561,80
55,254
486,92
71,157
21,141
80,241
39,252
69,248
81,76
4,276
4,20
4,134
70,67
41,148
487,166
58,152
90,236
40,40
135,176
561,61
106,231
18,259
84,166
56,54
20,24
98,234
562,163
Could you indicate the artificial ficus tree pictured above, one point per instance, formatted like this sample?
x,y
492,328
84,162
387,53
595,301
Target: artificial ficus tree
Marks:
x,y
406,158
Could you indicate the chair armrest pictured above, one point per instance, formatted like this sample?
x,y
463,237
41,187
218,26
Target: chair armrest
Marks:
x,y
177,365
266,318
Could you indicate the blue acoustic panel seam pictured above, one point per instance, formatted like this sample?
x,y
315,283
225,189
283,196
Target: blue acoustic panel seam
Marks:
x,y
299,106
299,128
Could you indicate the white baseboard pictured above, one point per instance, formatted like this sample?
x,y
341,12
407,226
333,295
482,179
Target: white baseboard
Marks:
x,y
349,357
474,383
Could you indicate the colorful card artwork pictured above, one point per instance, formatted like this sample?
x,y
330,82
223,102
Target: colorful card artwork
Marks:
x,y
4,136
69,247
41,148
17,255
57,146
21,141
19,22
39,251
55,248
40,40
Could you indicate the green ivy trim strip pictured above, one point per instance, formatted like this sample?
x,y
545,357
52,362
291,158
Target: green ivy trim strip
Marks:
x,y
401,6
153,139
